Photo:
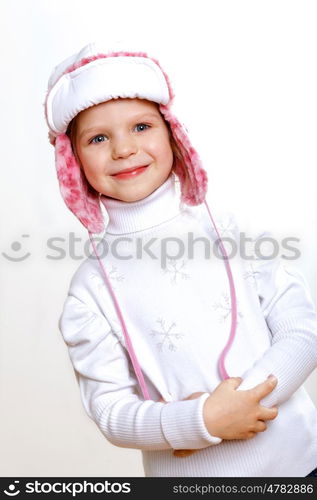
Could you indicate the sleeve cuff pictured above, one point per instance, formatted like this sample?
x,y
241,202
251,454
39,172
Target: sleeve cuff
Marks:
x,y
183,424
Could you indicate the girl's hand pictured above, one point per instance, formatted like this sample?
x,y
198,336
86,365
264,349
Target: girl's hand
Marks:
x,y
231,414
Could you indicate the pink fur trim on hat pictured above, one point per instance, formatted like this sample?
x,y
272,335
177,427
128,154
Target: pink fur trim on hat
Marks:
x,y
83,200
79,196
194,191
86,60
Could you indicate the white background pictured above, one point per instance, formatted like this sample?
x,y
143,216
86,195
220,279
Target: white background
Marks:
x,y
245,77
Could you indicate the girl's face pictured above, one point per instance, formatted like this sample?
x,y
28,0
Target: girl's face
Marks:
x,y
122,134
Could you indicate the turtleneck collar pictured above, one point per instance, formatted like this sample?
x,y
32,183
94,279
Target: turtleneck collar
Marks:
x,y
160,206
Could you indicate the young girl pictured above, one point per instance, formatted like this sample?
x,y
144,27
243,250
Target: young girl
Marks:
x,y
173,342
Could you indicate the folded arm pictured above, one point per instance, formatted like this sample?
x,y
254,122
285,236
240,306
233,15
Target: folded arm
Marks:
x,y
109,389
291,317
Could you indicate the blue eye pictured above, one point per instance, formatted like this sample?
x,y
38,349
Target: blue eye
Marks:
x,y
96,140
140,127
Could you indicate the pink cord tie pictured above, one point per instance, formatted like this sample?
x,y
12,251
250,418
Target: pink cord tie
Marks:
x,y
136,366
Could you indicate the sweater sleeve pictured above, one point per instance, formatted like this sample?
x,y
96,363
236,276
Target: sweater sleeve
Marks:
x,y
290,314
109,389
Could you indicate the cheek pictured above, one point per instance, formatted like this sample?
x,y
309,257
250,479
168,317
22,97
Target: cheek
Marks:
x,y
167,155
160,148
93,162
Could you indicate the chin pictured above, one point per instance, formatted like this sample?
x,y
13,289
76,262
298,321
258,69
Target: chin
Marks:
x,y
134,197
134,194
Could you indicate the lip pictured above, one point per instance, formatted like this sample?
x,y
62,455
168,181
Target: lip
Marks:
x,y
130,172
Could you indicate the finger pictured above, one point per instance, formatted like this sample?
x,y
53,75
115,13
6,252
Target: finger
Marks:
x,y
195,395
233,382
251,435
183,453
268,413
263,389
260,426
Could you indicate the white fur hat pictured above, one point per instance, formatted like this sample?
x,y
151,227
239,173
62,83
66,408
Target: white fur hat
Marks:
x,y
91,77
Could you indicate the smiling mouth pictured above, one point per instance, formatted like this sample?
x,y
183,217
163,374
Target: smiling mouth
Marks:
x,y
129,173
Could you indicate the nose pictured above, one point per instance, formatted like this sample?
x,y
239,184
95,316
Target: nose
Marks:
x,y
123,146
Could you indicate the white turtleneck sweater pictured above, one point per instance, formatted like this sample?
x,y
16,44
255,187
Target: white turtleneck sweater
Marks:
x,y
176,306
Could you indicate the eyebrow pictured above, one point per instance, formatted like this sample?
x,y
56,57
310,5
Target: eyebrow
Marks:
x,y
135,118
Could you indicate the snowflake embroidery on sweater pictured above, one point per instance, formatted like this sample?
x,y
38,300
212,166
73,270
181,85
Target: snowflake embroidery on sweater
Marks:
x,y
251,275
175,269
225,226
167,335
112,274
224,307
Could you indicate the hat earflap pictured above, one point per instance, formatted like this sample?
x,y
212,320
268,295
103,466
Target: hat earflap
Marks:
x,y
84,201
193,177
81,198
